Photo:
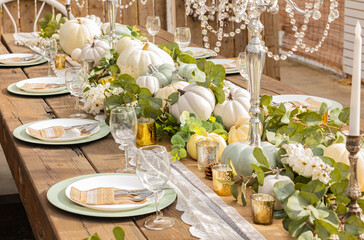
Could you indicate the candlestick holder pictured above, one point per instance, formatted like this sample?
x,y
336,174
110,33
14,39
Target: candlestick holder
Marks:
x,y
353,191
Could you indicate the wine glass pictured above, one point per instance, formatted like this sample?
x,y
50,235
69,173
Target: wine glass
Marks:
x,y
182,37
48,48
243,68
153,25
153,169
124,127
76,80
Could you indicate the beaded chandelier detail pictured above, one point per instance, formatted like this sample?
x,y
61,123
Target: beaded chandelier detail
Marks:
x,y
242,11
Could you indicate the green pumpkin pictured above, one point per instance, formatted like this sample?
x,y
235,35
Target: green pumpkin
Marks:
x,y
188,73
241,156
162,72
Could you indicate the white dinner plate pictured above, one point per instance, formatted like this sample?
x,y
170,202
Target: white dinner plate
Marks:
x,y
226,61
65,122
331,104
36,58
201,52
127,182
55,80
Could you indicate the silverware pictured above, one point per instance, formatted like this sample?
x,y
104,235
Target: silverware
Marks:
x,y
137,198
55,85
136,192
80,126
31,57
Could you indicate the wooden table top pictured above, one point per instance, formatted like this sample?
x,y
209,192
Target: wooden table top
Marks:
x,y
36,168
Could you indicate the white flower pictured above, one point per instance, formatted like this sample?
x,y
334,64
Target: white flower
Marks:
x,y
304,163
117,91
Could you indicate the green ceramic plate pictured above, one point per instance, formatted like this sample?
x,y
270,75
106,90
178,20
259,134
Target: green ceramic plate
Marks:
x,y
20,133
14,89
56,195
41,61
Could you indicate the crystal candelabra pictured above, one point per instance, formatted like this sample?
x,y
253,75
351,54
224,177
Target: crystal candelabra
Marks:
x,y
247,13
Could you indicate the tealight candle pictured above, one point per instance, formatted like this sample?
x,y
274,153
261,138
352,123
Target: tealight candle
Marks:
x,y
146,132
262,208
207,153
60,61
225,173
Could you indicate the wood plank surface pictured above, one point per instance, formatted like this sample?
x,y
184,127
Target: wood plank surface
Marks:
x,y
7,24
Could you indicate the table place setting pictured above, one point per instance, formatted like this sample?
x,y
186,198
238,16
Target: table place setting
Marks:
x,y
62,131
42,86
21,59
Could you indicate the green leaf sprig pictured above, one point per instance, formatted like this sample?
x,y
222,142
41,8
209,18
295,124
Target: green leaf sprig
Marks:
x,y
177,55
118,232
191,125
51,24
147,105
108,68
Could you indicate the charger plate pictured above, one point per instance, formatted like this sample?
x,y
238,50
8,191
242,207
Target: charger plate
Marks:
x,y
21,134
331,104
36,61
56,196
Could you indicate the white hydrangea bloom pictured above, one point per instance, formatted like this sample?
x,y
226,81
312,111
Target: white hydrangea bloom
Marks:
x,y
305,163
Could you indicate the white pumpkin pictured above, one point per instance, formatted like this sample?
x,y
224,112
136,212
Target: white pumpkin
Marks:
x,y
338,152
194,99
191,144
236,105
149,82
76,55
171,88
267,187
127,42
135,60
94,50
76,33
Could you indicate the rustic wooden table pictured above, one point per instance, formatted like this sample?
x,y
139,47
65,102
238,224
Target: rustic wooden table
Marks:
x,y
36,168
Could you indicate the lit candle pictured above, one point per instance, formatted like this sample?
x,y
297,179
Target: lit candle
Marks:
x,y
354,129
68,1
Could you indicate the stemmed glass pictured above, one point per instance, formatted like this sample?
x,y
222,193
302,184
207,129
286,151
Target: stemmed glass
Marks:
x,y
76,79
153,25
182,37
124,127
153,169
48,48
242,68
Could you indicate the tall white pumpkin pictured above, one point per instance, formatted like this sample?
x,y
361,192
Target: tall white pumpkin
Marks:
x,y
135,60
76,33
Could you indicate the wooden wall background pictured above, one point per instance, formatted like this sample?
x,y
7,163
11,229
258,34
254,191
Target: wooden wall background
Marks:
x,y
136,15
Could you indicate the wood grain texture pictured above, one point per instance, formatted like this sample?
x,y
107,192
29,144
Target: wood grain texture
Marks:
x,y
7,24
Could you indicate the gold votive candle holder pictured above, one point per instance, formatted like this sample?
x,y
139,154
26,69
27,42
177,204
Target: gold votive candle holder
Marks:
x,y
262,208
224,173
207,153
146,132
60,61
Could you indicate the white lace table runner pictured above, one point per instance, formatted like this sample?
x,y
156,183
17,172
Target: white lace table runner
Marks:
x,y
209,216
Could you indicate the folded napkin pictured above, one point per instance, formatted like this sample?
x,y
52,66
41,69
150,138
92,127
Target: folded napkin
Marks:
x,y
309,102
101,196
57,132
231,65
40,86
17,60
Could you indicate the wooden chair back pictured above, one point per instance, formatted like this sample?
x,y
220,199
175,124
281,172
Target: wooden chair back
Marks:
x,y
23,16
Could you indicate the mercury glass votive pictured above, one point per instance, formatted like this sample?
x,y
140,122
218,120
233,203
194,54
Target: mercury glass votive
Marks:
x,y
146,132
225,173
207,153
60,61
262,208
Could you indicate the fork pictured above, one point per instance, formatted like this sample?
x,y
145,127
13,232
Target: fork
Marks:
x,y
136,198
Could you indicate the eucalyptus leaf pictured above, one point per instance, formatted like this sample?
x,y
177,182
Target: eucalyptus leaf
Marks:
x,y
243,194
119,233
259,156
307,235
177,140
235,191
346,236
283,189
260,174
295,207
354,225
313,191
311,118
295,228
345,115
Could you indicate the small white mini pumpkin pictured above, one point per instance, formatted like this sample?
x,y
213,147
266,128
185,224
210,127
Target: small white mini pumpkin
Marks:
x,y
168,90
267,187
236,105
135,60
194,99
149,82
76,33
76,55
94,50
127,42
